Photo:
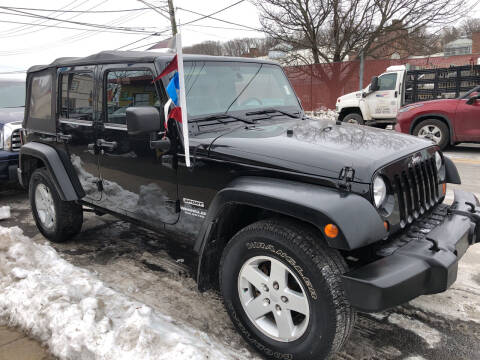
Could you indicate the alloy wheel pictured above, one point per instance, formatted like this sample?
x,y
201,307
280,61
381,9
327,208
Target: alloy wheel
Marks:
x,y
431,132
273,298
45,206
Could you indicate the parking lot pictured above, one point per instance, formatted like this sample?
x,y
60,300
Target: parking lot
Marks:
x,y
149,269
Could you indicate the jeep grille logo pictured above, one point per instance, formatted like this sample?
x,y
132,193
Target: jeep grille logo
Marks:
x,y
415,160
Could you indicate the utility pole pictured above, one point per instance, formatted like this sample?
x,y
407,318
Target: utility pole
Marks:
x,y
362,64
171,11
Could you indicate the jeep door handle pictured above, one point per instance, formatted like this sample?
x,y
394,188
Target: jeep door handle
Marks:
x,y
102,144
107,145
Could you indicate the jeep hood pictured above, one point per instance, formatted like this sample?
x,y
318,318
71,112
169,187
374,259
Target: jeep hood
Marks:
x,y
315,147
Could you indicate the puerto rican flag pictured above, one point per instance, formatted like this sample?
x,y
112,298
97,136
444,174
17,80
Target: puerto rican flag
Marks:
x,y
176,90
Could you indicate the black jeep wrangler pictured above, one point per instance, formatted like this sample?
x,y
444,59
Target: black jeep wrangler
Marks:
x,y
298,222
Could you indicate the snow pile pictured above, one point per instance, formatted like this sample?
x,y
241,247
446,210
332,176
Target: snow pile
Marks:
x,y
78,317
323,114
4,212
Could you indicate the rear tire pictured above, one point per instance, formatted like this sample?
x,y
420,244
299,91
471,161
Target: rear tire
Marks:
x,y
312,270
354,118
435,130
57,220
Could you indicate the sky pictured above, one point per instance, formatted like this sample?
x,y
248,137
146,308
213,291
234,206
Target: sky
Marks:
x,y
25,45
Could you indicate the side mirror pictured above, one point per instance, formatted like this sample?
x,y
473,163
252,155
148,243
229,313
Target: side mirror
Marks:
x,y
374,84
143,120
473,99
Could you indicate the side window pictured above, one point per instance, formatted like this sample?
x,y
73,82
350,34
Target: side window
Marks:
x,y
387,82
77,96
125,88
41,97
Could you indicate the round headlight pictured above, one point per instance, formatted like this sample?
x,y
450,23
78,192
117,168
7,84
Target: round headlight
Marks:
x,y
379,191
438,161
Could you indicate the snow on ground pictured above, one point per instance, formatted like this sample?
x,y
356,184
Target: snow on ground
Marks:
x,y
4,212
431,336
324,114
79,317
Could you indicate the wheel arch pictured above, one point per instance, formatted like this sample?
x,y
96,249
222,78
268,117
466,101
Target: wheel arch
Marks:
x,y
349,110
417,120
249,199
34,155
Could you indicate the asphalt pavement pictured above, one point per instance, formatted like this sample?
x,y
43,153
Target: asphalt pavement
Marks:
x,y
443,326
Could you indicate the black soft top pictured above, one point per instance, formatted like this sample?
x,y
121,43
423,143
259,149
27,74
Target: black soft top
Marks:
x,y
112,57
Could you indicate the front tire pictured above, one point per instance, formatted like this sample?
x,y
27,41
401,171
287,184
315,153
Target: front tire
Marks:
x,y
57,220
435,130
282,289
354,118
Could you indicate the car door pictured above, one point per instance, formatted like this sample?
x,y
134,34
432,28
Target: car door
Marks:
x,y
384,102
467,120
78,120
137,181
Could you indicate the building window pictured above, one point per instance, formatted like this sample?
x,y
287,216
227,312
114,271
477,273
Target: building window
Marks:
x,y
125,88
77,96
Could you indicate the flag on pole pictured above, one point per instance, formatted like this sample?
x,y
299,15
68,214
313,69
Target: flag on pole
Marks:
x,y
176,90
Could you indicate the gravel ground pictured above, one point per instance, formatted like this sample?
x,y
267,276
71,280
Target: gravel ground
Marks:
x,y
149,269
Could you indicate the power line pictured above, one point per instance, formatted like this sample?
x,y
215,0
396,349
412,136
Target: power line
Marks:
x,y
81,11
23,33
210,16
23,27
100,26
202,16
82,29
218,27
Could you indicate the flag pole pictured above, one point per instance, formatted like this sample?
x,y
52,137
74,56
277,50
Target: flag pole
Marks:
x,y
183,100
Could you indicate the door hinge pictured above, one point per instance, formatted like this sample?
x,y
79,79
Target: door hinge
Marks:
x,y
99,185
63,137
347,174
176,204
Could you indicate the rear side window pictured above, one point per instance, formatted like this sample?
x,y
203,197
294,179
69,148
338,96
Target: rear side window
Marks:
x,y
77,96
41,97
125,88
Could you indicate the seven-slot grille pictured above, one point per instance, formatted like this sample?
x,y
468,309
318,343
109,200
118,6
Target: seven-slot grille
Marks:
x,y
416,189
16,142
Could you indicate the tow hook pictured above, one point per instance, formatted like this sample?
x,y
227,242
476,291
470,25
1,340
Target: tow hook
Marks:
x,y
474,217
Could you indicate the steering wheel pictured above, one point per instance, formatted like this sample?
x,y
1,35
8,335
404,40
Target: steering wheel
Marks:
x,y
252,99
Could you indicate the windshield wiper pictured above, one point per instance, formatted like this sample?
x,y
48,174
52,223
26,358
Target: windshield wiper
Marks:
x,y
295,115
220,117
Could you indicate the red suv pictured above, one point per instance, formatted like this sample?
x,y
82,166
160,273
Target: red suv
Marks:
x,y
445,121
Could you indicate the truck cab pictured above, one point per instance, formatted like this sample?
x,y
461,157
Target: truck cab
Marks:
x,y
378,103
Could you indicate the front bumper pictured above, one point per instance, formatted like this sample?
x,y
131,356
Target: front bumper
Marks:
x,y
421,261
8,165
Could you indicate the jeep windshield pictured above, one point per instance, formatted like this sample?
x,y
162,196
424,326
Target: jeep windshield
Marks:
x,y
237,89
12,93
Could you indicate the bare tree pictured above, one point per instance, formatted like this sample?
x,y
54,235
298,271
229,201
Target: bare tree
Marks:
x,y
235,47
334,29
205,48
470,26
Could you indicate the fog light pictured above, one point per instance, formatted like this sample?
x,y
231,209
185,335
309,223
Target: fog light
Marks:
x,y
331,231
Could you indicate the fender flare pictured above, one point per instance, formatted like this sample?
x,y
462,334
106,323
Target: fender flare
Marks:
x,y
64,178
357,219
426,116
451,172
